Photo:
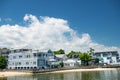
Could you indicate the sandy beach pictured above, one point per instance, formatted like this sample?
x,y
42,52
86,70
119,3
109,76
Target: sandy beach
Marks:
x,y
81,70
15,73
10,73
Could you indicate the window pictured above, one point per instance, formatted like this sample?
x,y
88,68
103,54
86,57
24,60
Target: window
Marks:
x,y
117,57
43,55
25,49
118,60
34,62
35,55
19,63
105,55
14,57
115,54
39,55
98,55
27,56
108,57
27,62
110,61
16,63
20,56
15,51
6,56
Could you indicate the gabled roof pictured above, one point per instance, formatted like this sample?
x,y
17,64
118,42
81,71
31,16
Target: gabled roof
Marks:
x,y
106,52
70,61
61,56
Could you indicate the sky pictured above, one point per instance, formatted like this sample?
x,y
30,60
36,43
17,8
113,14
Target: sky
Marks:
x,y
67,24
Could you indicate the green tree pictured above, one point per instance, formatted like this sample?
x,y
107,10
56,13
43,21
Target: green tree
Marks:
x,y
4,48
69,55
3,62
91,50
85,57
61,64
61,51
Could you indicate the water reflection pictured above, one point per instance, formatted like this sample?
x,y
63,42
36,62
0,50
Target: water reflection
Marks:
x,y
96,75
90,75
22,78
4,78
111,75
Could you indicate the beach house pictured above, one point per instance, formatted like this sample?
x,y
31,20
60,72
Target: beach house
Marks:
x,y
108,57
61,57
31,59
72,63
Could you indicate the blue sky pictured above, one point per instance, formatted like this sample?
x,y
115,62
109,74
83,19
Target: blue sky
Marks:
x,y
99,18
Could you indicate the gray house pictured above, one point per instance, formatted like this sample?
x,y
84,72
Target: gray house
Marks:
x,y
31,59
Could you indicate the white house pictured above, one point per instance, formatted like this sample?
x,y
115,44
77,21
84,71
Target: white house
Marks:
x,y
71,63
108,57
31,59
61,57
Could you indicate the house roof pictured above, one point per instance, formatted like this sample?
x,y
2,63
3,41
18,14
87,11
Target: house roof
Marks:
x,y
61,56
106,52
51,60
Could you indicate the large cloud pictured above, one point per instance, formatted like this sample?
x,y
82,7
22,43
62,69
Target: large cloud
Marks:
x,y
47,33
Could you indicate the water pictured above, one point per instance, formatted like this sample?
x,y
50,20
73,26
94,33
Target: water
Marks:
x,y
95,75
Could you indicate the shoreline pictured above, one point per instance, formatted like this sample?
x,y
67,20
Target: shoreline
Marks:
x,y
16,73
82,70
13,73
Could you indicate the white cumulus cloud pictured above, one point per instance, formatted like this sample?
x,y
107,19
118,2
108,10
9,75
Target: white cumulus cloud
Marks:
x,y
47,33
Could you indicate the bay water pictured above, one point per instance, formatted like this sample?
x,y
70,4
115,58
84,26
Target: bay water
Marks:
x,y
87,75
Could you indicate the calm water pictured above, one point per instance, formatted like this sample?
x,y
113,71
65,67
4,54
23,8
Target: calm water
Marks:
x,y
96,75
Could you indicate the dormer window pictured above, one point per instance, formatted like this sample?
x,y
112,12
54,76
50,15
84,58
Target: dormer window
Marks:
x,y
49,51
